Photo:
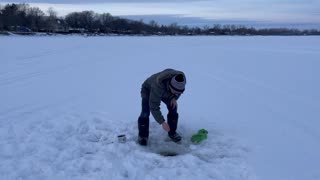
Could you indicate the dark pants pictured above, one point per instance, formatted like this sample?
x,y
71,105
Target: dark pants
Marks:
x,y
143,121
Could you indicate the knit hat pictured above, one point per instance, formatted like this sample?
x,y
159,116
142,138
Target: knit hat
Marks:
x,y
178,83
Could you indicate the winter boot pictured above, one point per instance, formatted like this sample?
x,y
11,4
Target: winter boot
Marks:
x,y
143,141
173,123
175,137
143,126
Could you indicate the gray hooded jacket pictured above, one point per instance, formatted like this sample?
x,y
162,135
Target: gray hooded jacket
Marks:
x,y
156,89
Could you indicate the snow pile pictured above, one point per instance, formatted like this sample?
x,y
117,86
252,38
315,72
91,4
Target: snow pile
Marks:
x,y
75,146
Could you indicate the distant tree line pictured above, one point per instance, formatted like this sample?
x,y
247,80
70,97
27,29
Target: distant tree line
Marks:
x,y
22,18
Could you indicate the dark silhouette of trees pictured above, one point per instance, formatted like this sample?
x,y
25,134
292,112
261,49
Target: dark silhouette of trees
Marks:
x,y
35,19
51,23
1,19
23,18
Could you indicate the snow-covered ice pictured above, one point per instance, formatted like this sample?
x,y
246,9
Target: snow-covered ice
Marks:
x,y
64,100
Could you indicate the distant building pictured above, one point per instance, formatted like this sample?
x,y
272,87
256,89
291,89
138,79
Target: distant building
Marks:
x,y
61,26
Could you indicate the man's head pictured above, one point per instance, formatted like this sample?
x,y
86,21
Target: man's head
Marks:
x,y
177,84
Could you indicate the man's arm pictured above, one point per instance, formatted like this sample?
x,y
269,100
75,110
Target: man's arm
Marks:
x,y
154,103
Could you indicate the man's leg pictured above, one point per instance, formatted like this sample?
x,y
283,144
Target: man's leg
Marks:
x,y
143,122
172,119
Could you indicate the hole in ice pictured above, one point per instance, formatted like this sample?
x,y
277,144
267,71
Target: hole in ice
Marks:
x,y
168,153
173,150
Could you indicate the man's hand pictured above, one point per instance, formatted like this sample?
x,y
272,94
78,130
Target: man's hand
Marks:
x,y
174,103
165,126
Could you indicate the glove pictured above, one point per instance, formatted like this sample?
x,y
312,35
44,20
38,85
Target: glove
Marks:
x,y
200,136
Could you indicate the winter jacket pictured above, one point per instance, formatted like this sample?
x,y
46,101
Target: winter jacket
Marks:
x,y
156,89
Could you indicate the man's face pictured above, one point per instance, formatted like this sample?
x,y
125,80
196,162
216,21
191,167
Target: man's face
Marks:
x,y
174,92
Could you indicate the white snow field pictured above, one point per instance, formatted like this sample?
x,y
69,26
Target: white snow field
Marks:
x,y
64,100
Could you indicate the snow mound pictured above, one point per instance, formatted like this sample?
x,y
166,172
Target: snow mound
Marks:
x,y
86,147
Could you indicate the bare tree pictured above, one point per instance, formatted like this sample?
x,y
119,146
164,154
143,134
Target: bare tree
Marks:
x,y
51,22
52,13
106,18
83,19
173,29
105,22
35,17
1,18
153,24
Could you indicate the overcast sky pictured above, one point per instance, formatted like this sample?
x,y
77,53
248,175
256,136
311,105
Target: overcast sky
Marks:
x,y
266,11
